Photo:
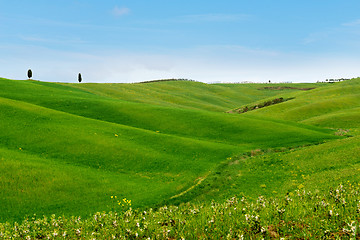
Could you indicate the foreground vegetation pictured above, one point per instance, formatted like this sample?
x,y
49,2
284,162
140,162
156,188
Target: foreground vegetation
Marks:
x,y
299,214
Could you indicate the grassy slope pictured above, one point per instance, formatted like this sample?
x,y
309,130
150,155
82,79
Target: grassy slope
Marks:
x,y
313,167
194,95
84,143
336,106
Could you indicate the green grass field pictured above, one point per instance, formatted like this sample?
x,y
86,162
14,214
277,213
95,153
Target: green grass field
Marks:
x,y
66,148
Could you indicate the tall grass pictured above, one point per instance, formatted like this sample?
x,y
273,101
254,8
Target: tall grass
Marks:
x,y
333,214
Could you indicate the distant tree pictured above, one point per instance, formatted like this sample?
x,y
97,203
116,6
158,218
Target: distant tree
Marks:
x,y
79,78
29,73
269,81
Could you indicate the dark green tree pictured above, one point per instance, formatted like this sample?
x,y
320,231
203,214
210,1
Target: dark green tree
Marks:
x,y
79,78
29,73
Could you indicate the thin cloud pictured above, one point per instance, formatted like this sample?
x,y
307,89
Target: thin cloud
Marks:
x,y
117,12
316,37
51,40
213,18
353,23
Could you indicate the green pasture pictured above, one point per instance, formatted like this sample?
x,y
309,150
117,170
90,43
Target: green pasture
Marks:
x,y
66,148
317,167
335,105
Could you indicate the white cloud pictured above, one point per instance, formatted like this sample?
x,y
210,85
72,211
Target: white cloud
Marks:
x,y
120,11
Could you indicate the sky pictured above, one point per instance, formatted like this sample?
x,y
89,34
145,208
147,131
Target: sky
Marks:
x,y
210,41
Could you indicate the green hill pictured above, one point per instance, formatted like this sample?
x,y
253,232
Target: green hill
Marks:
x,y
66,148
336,105
317,167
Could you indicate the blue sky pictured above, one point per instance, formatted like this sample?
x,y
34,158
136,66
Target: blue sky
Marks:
x,y
209,41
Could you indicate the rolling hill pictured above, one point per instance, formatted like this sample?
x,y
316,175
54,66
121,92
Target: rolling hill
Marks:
x,y
66,148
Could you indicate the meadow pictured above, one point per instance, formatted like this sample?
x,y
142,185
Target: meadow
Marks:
x,y
297,215
66,148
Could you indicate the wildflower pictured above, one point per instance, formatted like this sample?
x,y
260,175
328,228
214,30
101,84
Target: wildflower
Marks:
x,y
281,211
115,223
288,199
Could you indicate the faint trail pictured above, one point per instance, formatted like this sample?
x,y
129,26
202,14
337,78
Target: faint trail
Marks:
x,y
199,181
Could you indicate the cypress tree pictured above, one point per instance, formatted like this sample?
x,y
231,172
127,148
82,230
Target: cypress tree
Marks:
x,y
29,73
79,78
